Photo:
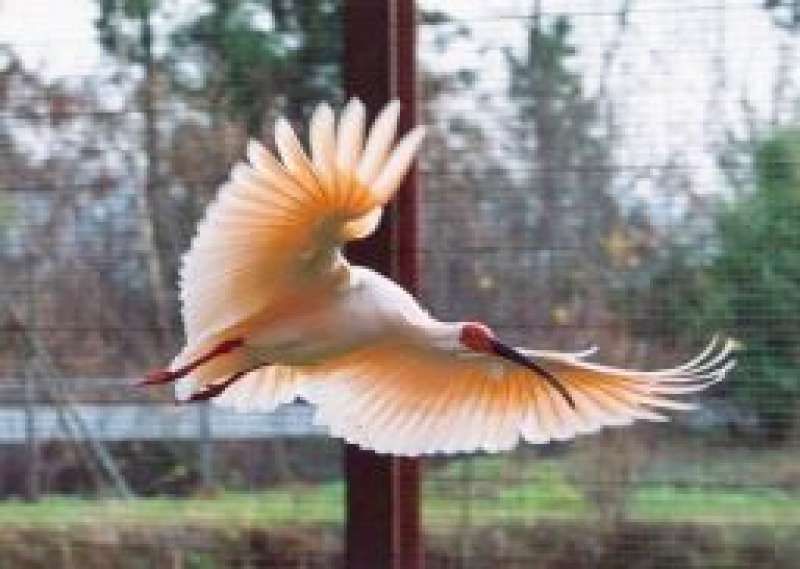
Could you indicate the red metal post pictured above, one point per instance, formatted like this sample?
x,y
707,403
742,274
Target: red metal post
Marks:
x,y
383,521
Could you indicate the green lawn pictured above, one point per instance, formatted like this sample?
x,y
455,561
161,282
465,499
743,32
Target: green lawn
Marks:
x,y
752,506
522,503
676,484
270,508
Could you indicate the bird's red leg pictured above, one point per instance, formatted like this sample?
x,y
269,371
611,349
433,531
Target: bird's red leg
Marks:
x,y
215,389
159,376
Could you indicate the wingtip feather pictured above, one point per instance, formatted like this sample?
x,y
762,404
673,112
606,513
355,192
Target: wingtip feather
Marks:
x,y
379,142
388,180
350,135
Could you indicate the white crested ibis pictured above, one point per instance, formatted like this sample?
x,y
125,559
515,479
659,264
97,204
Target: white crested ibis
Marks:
x,y
273,311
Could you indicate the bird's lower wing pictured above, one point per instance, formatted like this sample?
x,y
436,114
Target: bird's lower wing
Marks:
x,y
277,225
409,401
259,390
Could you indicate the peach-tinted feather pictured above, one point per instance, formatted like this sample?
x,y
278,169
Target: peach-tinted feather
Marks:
x,y
273,311
403,399
276,225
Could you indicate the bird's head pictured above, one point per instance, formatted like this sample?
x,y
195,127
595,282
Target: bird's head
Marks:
x,y
476,337
479,338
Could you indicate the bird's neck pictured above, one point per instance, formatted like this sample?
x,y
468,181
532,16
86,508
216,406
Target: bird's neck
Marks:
x,y
441,335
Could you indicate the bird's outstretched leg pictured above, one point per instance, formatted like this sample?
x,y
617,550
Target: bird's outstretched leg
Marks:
x,y
215,389
160,376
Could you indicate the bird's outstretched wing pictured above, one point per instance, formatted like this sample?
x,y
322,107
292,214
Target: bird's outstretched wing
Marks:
x,y
276,225
412,401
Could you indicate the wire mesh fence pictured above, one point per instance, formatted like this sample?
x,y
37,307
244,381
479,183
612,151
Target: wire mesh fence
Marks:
x,y
617,166
618,173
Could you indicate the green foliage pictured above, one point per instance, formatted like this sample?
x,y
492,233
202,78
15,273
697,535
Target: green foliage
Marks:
x,y
236,56
785,13
543,72
116,33
747,285
250,53
758,272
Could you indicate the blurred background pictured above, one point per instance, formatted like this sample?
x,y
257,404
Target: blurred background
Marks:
x,y
623,173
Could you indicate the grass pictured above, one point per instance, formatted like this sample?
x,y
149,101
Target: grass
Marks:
x,y
753,506
678,484
695,511
522,503
276,508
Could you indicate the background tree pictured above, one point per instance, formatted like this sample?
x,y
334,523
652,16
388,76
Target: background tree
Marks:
x,y
746,282
562,208
242,57
126,31
215,74
786,13
757,278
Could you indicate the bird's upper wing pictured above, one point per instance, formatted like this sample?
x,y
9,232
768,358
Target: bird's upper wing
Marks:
x,y
277,225
410,401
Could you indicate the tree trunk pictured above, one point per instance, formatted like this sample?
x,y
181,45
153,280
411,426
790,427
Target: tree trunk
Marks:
x,y
147,200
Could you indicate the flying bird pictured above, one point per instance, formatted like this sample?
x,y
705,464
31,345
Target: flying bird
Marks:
x,y
273,311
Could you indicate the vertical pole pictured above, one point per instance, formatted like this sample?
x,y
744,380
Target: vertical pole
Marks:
x,y
31,441
206,444
33,453
383,526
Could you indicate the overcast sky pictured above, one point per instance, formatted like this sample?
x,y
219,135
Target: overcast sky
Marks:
x,y
665,78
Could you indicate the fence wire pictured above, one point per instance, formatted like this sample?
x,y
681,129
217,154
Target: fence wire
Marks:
x,y
619,173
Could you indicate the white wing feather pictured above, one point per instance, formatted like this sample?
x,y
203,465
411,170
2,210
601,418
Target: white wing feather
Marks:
x,y
408,400
275,225
273,234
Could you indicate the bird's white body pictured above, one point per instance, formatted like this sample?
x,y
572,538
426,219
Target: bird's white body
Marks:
x,y
362,309
273,311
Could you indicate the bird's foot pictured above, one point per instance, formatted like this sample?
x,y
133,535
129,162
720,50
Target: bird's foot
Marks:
x,y
160,377
216,389
207,393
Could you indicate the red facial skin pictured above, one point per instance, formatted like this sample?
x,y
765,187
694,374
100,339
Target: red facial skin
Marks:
x,y
477,337
480,338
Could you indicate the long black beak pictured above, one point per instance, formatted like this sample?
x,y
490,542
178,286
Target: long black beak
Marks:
x,y
517,357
